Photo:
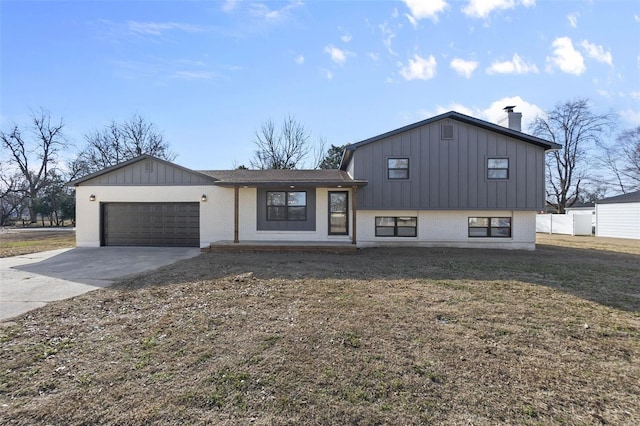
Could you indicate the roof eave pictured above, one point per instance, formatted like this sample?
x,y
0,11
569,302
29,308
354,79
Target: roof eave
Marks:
x,y
301,184
547,145
142,157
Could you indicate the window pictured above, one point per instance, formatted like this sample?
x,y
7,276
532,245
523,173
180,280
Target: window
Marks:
x,y
338,213
282,205
497,168
495,227
396,226
398,168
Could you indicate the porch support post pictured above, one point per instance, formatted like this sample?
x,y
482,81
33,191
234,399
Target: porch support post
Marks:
x,y
236,214
353,213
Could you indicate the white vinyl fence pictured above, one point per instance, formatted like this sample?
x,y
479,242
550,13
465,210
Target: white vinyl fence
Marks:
x,y
578,224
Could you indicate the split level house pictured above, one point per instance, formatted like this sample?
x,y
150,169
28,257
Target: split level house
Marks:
x,y
450,180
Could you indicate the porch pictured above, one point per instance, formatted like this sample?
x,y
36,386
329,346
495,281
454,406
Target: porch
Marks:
x,y
336,247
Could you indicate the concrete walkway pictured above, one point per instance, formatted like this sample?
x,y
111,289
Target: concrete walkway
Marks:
x,y
30,281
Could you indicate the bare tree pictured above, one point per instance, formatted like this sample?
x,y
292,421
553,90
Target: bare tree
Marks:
x,y
119,142
572,125
34,156
284,148
12,195
622,159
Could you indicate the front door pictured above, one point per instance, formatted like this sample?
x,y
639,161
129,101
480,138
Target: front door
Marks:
x,y
339,213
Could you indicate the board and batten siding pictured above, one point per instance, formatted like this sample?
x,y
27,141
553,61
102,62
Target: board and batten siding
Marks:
x,y
149,172
618,220
450,174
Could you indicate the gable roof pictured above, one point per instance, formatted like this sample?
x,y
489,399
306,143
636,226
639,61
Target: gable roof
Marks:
x,y
142,157
547,145
631,197
261,178
255,178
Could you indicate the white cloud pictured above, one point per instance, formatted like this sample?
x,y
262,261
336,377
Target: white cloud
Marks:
x,y
327,74
229,5
195,75
373,56
338,55
565,57
635,94
299,59
463,67
631,116
636,18
395,13
484,8
157,28
419,68
495,112
457,108
412,20
389,36
346,38
573,19
597,52
262,11
515,66
421,9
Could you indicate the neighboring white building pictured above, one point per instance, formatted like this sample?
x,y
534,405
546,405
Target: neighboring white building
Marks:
x,y
619,216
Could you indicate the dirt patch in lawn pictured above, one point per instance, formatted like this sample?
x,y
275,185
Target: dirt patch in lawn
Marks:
x,y
16,242
386,336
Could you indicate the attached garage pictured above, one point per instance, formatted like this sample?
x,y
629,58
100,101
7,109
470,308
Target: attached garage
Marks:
x,y
151,224
147,201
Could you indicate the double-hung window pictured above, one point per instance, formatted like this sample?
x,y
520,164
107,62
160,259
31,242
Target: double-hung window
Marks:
x,y
497,168
286,205
494,227
389,226
398,168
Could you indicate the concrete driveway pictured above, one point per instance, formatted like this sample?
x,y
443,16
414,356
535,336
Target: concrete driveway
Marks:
x,y
31,281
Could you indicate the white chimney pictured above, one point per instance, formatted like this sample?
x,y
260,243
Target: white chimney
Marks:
x,y
512,120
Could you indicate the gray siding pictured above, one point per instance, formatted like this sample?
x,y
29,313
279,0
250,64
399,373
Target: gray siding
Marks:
x,y
149,172
450,174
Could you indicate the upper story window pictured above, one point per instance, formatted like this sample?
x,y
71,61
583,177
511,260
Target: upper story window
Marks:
x,y
497,168
286,205
398,168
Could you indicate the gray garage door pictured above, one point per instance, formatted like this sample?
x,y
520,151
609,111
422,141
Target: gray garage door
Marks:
x,y
151,224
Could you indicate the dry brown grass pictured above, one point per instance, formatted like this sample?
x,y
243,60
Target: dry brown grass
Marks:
x,y
387,336
23,241
619,245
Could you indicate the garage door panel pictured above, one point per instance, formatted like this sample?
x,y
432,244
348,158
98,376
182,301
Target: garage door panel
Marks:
x,y
151,224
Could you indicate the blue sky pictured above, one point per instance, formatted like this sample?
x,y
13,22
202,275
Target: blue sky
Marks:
x,y
209,73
